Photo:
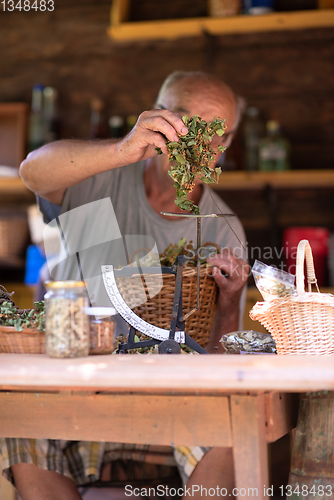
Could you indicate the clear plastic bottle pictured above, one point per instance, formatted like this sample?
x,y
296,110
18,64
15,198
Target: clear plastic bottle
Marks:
x,y
36,119
253,132
96,126
66,323
131,122
116,125
50,115
274,149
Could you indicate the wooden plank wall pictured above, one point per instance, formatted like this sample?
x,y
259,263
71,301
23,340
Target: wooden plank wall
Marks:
x,y
289,75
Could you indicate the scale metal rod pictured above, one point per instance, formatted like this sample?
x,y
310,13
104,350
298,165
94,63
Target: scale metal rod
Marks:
x,y
199,243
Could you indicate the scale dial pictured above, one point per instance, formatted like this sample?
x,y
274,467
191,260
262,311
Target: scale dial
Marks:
x,y
130,317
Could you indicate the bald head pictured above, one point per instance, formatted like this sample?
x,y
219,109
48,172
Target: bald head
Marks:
x,y
184,87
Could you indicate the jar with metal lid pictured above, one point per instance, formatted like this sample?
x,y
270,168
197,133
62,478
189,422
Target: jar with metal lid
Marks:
x,y
101,329
66,323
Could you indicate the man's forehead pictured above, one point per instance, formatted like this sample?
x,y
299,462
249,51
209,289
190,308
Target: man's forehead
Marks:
x,y
207,103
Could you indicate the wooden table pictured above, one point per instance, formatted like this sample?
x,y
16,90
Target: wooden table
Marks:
x,y
217,400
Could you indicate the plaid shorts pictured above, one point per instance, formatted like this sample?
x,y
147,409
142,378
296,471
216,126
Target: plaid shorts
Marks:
x,y
82,460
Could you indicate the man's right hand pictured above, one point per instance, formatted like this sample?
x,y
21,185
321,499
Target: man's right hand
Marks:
x,y
149,132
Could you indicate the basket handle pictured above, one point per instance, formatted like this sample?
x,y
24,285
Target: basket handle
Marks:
x,y
304,251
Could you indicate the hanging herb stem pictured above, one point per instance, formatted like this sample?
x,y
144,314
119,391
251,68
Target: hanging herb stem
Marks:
x,y
192,156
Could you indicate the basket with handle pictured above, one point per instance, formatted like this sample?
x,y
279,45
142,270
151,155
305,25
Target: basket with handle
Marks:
x,y
302,323
157,308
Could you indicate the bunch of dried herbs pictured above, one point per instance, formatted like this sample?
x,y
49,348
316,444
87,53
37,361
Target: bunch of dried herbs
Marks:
x,y
11,315
168,256
5,296
182,247
192,156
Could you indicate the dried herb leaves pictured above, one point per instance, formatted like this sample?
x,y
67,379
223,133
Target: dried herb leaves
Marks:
x,y
168,256
192,156
11,315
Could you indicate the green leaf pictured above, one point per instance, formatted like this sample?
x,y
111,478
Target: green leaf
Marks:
x,y
182,242
180,159
158,150
18,326
207,180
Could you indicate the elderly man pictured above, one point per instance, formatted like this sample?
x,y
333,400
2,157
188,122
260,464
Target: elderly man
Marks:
x,y
69,174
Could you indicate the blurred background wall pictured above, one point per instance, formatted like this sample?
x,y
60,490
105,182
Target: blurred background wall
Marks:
x,y
288,75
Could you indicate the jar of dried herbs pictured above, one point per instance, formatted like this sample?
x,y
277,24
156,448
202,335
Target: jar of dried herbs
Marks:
x,y
101,329
66,323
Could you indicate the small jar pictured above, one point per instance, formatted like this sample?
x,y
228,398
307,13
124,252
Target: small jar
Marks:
x,y
224,8
66,323
101,329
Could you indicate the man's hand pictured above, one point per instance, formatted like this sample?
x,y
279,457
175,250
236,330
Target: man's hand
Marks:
x,y
150,131
230,273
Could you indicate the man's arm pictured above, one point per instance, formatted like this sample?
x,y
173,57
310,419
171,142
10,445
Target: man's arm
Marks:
x,y
50,170
230,274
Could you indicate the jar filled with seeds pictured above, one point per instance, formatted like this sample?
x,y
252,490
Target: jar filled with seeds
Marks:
x,y
101,329
66,323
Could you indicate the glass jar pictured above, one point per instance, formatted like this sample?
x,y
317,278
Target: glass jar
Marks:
x,y
101,329
224,8
66,323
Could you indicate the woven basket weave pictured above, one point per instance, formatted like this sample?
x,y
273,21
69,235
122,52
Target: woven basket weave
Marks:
x,y
158,310
302,323
28,341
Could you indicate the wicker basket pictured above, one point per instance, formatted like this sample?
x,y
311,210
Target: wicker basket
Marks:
x,y
28,341
158,310
14,233
302,323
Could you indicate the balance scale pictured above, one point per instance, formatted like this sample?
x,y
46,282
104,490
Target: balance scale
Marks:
x,y
168,340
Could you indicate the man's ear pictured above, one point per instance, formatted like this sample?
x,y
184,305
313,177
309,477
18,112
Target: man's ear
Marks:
x,y
230,138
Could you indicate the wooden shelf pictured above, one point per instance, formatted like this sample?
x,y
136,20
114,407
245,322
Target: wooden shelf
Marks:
x,y
122,30
240,180
293,179
13,189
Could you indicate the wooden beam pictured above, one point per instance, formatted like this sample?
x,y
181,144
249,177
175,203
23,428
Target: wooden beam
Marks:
x,y
209,374
143,419
248,413
281,413
119,12
178,28
14,186
293,179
